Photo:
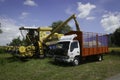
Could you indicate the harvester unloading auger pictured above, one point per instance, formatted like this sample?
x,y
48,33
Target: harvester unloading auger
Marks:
x,y
37,39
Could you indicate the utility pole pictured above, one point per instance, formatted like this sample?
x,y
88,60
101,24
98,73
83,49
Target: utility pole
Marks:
x,y
0,25
0,28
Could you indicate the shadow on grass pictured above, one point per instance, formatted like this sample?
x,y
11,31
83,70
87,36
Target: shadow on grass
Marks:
x,y
114,53
6,60
15,59
65,64
58,63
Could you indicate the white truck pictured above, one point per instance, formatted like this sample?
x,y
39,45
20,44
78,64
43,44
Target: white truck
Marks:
x,y
76,45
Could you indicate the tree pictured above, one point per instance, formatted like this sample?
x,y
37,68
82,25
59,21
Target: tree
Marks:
x,y
16,42
116,37
66,28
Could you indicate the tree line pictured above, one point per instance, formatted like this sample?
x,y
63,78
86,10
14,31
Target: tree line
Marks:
x,y
114,38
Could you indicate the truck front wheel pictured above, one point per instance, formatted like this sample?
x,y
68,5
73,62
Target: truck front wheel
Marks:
x,y
75,61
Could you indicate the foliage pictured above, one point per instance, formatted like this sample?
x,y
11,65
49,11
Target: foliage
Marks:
x,y
110,43
115,38
16,42
64,29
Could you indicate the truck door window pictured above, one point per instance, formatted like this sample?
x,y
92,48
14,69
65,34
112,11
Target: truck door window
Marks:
x,y
73,46
63,45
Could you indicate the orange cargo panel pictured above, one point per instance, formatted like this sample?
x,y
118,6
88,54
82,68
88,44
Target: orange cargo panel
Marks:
x,y
94,43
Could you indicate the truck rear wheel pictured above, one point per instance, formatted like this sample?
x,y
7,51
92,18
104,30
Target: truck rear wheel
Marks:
x,y
75,61
100,57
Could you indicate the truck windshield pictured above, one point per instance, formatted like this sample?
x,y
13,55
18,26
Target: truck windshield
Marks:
x,y
63,45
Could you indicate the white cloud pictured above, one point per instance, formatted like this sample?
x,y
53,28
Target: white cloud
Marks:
x,y
10,30
111,21
85,9
30,3
24,15
90,18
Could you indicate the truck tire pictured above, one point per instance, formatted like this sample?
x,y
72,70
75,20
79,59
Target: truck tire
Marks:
x,y
100,57
56,61
75,61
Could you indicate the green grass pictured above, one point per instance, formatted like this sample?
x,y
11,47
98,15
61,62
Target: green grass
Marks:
x,y
2,49
12,68
114,49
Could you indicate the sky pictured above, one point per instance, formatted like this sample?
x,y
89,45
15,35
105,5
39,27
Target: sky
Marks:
x,y
101,16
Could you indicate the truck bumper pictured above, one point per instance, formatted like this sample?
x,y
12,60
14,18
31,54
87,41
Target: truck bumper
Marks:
x,y
64,58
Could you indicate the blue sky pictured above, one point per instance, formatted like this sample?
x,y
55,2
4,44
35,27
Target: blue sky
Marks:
x,y
102,16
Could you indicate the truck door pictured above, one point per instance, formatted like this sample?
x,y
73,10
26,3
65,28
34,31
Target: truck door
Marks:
x,y
74,49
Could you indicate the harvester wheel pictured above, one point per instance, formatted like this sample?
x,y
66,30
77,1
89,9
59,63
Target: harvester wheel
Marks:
x,y
22,49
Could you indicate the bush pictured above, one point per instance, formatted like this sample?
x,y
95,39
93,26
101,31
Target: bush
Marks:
x,y
2,50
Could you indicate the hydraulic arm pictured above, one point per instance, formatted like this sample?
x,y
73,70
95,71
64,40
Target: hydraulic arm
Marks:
x,y
64,23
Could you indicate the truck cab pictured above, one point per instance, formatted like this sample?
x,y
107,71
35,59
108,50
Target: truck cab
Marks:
x,y
67,49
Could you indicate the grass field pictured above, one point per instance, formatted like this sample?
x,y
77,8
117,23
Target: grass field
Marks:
x,y
114,49
12,68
